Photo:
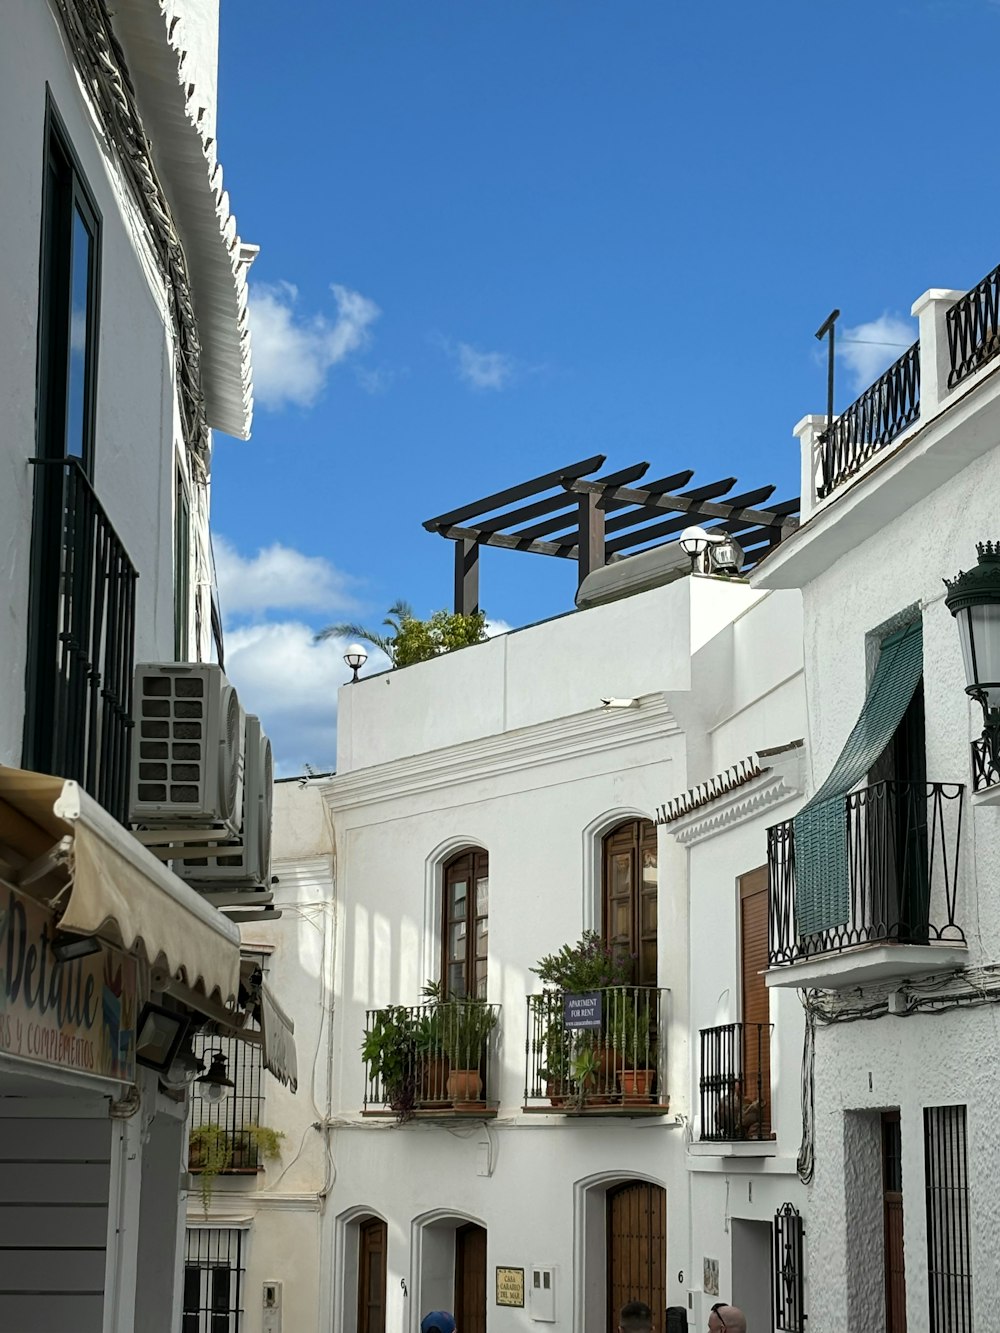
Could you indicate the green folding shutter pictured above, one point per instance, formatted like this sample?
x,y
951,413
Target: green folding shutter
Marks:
x,y
822,892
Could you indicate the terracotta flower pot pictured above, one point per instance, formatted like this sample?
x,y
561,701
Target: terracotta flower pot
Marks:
x,y
637,1085
554,1095
433,1081
465,1088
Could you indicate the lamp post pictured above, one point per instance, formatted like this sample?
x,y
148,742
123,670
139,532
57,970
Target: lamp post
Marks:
x,y
973,598
355,657
694,542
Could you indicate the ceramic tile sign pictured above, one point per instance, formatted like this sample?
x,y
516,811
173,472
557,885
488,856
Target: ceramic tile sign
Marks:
x,y
582,1011
710,1277
510,1286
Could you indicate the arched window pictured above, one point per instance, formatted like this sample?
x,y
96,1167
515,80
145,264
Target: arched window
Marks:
x,y
629,915
465,923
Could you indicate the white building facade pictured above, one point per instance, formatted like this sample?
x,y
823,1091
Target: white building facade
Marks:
x,y
884,909
123,342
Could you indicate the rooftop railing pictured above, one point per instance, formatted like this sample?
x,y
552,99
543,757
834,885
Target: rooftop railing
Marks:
x,y
903,841
974,328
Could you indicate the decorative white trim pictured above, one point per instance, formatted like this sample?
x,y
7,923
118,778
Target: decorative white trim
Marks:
x,y
593,732
782,781
305,872
433,894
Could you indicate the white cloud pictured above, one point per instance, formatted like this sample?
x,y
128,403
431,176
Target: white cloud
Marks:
x,y
292,356
279,578
291,683
868,349
483,370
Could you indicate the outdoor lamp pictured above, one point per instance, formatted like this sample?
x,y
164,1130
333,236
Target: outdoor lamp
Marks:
x,y
66,946
158,1036
694,542
974,600
215,1085
355,657
727,555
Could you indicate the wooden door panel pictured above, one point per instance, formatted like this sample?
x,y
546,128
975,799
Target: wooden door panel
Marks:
x,y
372,1245
630,895
470,1278
636,1249
753,990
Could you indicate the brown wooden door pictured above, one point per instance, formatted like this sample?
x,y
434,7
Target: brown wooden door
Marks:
x,y
755,1002
892,1223
630,901
637,1250
470,1278
372,1244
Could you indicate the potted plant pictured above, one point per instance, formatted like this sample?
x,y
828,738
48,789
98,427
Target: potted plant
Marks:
x,y
389,1051
432,1062
555,1072
466,1025
585,1071
591,964
212,1151
630,1031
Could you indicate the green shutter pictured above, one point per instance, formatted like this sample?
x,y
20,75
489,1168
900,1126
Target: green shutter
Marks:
x,y
822,892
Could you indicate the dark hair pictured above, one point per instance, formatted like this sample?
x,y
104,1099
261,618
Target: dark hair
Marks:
x,y
636,1317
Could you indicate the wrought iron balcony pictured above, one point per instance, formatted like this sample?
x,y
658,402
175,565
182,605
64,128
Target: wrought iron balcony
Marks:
x,y
82,641
432,1059
903,841
883,411
974,329
615,1065
735,1084
985,769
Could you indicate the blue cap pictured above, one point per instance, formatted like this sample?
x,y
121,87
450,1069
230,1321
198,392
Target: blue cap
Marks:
x,y
438,1321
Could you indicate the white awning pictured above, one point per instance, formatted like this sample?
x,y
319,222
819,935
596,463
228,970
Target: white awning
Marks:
x,y
112,886
279,1040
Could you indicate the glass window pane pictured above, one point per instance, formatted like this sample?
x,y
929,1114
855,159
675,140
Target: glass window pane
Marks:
x,y
458,940
76,389
649,868
621,878
456,980
459,898
482,896
481,980
648,913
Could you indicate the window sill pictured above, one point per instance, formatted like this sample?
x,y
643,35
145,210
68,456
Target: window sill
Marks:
x,y
617,1110
867,963
734,1148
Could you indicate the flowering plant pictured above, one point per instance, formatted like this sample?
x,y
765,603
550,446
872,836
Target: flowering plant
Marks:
x,y
590,964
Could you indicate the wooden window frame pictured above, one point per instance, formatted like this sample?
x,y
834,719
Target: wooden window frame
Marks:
x,y
643,839
478,868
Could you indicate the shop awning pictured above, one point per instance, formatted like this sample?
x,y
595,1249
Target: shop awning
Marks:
x,y
278,1032
101,881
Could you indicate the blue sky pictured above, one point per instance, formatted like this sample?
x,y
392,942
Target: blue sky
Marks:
x,y
501,235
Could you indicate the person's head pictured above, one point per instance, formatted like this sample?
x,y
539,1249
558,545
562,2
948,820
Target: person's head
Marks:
x,y
438,1321
726,1319
636,1317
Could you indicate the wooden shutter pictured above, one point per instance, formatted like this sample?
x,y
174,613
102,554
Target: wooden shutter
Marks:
x,y
754,997
373,1240
630,895
637,1249
470,1278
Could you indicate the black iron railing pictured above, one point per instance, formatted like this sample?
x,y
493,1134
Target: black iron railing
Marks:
x,y
903,840
617,1061
84,644
239,1115
735,1083
974,328
439,1057
788,1276
874,420
985,769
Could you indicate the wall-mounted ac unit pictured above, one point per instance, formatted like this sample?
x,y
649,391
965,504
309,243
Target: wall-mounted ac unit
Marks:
x,y
249,866
187,748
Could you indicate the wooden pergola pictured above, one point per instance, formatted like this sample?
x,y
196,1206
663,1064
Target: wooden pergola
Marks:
x,y
594,520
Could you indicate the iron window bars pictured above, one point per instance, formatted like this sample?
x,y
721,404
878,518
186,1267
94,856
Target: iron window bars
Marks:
x,y
82,645
974,328
872,421
575,508
788,1276
949,1242
214,1268
903,840
617,1066
735,1083
240,1111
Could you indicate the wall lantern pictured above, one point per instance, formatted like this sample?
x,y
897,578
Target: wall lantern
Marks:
x,y
214,1085
694,542
67,947
355,657
727,555
974,600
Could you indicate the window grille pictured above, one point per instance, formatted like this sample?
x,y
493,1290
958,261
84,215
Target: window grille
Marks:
x,y
949,1257
787,1276
245,1104
214,1266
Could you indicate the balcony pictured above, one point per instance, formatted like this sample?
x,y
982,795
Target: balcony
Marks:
x,y
82,642
599,1054
734,1089
902,842
434,1061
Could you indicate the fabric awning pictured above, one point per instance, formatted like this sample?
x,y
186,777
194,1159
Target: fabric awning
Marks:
x,y
117,889
822,891
279,1040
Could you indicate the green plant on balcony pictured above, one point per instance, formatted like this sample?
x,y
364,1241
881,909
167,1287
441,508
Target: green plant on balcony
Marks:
x,y
428,1042
213,1150
412,639
389,1051
631,1034
466,1026
588,965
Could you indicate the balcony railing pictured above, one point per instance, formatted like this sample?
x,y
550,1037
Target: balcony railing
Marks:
x,y
433,1059
985,769
974,329
735,1084
874,420
902,859
616,1063
85,642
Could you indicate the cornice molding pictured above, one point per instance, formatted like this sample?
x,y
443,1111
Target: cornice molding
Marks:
x,y
782,781
304,871
598,732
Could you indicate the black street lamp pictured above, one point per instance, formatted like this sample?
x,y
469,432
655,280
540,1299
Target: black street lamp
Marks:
x,y
974,600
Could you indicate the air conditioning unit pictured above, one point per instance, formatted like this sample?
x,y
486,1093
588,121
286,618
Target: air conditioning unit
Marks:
x,y
249,867
187,748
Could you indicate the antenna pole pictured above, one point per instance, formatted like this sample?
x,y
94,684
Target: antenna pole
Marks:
x,y
827,327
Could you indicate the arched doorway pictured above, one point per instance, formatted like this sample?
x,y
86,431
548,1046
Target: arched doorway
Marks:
x,y
372,1245
637,1249
629,895
470,1278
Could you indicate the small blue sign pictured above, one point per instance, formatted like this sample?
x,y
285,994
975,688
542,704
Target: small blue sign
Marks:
x,y
582,1011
